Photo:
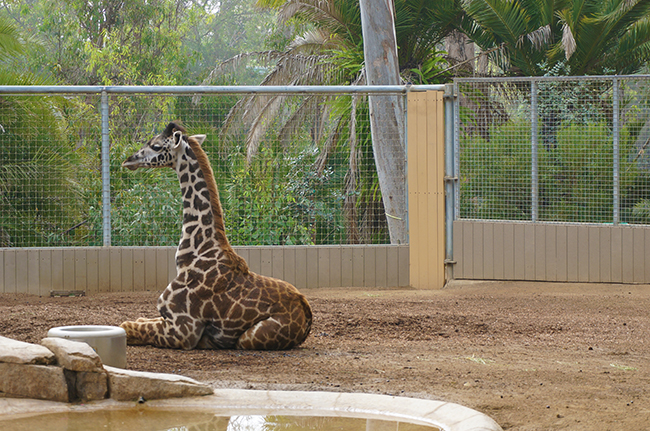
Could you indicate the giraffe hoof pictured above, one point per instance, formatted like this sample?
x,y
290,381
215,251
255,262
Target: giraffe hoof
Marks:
x,y
131,333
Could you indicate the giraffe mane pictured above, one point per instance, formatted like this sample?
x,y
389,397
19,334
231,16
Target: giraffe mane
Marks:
x,y
238,264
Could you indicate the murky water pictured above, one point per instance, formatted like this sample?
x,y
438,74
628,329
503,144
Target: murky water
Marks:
x,y
143,419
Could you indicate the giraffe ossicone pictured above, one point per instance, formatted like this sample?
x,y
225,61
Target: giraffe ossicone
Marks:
x,y
215,301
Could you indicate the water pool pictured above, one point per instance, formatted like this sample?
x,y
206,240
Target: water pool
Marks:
x,y
148,419
248,410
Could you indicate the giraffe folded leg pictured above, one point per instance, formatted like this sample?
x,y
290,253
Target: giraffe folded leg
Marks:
x,y
137,332
269,334
183,332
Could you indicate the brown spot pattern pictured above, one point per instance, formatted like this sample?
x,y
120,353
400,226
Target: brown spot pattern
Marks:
x,y
214,302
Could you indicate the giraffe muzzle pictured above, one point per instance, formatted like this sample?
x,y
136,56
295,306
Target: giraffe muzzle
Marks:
x,y
130,164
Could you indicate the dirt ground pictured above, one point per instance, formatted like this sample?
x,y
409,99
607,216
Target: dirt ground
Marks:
x,y
533,356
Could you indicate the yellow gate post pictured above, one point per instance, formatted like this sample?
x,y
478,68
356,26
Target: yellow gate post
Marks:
x,y
426,190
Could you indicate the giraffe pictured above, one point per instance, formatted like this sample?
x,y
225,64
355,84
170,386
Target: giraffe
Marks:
x,y
215,301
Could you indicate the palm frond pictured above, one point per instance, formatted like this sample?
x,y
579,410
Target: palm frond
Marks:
x,y
328,148
633,47
334,16
540,38
240,60
504,19
254,112
11,43
506,23
308,105
568,41
261,124
315,41
351,178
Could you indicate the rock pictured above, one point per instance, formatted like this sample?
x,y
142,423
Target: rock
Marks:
x,y
91,386
74,355
33,381
18,352
87,379
127,385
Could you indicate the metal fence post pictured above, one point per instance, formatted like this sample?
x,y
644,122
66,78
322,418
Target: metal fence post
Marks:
x,y
456,147
451,180
534,174
615,152
106,173
406,162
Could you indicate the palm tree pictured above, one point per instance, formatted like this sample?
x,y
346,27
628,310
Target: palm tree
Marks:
x,y
329,50
37,191
10,41
530,37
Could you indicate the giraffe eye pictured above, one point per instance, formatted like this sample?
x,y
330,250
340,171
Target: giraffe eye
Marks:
x,y
156,147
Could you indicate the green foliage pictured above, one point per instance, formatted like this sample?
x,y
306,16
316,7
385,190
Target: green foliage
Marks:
x,y
495,181
575,175
148,213
39,202
278,197
429,72
136,42
588,36
38,190
262,205
10,40
365,219
582,157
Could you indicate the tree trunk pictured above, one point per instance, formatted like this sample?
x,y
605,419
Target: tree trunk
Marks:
x,y
460,49
386,112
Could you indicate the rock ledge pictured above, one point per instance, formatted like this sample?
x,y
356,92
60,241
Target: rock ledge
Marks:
x,y
69,371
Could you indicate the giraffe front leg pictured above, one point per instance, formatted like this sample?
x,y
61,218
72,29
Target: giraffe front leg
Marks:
x,y
273,333
139,333
182,332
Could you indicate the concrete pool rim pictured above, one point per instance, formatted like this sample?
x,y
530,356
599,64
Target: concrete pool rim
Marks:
x,y
444,415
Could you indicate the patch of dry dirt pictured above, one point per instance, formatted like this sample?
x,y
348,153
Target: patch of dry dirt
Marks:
x,y
533,356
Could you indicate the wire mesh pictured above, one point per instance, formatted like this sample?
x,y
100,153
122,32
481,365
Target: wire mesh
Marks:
x,y
47,161
291,169
543,149
494,151
634,103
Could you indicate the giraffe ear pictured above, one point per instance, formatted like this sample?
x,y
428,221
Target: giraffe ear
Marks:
x,y
178,139
199,138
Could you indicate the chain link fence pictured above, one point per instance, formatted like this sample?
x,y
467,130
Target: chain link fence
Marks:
x,y
291,168
571,149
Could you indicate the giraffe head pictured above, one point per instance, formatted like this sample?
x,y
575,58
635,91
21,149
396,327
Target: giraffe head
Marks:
x,y
161,150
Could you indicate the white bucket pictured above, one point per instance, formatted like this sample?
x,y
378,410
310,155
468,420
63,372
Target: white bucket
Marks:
x,y
108,341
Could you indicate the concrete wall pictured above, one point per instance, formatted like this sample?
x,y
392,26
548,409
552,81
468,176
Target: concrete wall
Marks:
x,y
551,252
124,269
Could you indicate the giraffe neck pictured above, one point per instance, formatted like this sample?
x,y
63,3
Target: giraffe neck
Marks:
x,y
203,234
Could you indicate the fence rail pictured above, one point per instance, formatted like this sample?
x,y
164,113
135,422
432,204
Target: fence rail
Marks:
x,y
216,89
